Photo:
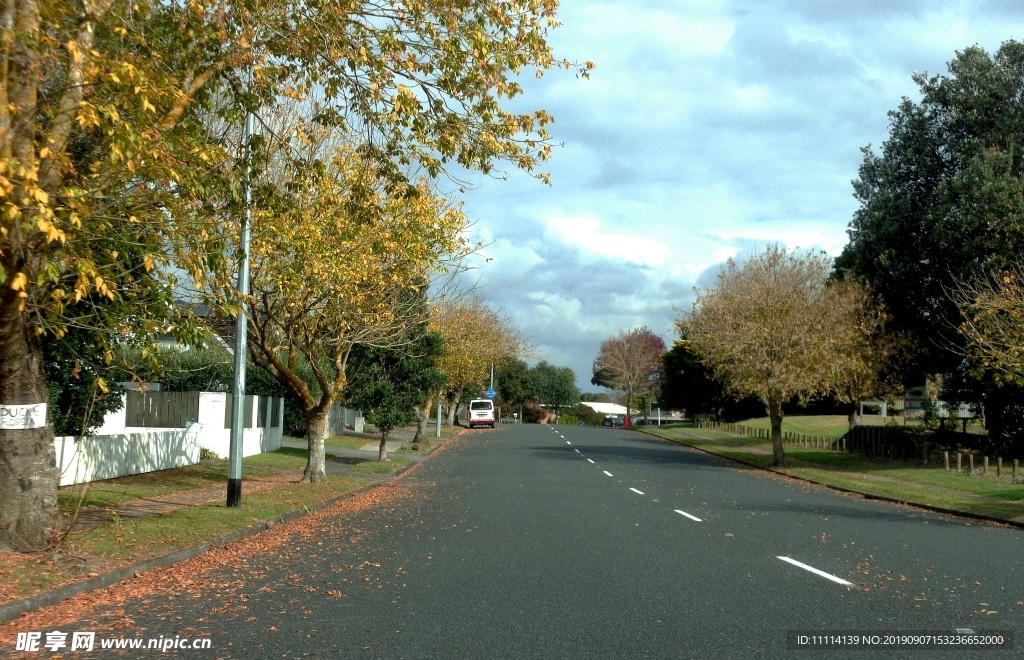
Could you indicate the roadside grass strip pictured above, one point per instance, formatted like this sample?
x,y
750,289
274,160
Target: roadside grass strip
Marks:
x,y
687,515
932,485
827,576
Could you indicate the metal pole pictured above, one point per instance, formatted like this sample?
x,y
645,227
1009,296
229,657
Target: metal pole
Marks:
x,y
659,417
438,430
241,328
492,376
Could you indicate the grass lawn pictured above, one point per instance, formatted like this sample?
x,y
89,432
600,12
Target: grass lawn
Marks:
x,y
830,426
389,466
151,484
285,458
346,442
932,485
835,426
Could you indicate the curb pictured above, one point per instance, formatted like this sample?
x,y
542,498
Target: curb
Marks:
x,y
11,611
850,491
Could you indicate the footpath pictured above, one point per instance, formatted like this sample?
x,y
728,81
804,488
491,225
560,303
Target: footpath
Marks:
x,y
135,524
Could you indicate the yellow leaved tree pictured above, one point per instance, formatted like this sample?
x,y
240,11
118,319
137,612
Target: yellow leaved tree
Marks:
x,y
339,259
475,338
115,189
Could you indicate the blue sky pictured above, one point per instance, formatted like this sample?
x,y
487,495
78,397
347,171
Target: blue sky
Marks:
x,y
706,130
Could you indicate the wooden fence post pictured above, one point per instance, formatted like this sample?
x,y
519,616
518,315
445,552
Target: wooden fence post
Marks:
x,y
984,469
970,459
959,462
1015,470
945,456
999,467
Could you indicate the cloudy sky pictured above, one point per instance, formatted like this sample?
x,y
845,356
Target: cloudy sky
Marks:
x,y
708,129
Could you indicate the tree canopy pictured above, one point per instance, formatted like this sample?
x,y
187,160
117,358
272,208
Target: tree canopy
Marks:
x,y
942,202
555,386
770,328
630,363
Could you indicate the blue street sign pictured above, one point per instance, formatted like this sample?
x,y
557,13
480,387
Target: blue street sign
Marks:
x,y
490,394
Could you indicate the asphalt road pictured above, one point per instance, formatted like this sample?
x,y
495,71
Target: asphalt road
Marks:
x,y
580,542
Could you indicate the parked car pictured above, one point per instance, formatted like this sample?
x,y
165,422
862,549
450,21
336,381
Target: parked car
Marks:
x,y
612,420
480,413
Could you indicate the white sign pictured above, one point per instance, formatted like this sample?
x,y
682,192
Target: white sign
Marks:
x,y
32,416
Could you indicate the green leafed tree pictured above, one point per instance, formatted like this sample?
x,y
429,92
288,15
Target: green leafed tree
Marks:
x,y
555,386
515,386
942,201
689,384
390,383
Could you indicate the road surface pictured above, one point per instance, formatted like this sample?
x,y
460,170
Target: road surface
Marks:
x,y
537,541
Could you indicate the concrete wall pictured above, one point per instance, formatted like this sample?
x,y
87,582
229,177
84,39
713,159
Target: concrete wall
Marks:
x,y
97,457
258,437
116,450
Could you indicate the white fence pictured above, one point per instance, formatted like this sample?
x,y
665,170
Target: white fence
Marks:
x,y
117,450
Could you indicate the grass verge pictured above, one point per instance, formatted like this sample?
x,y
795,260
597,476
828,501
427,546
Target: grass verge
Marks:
x,y
152,484
932,485
285,458
393,464
125,542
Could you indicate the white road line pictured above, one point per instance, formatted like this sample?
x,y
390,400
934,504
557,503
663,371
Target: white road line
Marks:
x,y
638,492
576,450
683,513
591,461
816,571
608,473
567,442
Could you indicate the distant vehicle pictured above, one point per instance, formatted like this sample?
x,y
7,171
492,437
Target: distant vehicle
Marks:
x,y
480,413
611,420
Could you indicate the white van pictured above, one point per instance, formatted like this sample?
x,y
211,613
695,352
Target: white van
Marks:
x,y
480,413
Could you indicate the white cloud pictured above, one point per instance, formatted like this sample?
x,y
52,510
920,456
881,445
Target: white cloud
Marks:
x,y
585,233
707,130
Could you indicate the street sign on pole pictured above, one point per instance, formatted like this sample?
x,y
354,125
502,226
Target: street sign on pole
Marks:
x,y
490,394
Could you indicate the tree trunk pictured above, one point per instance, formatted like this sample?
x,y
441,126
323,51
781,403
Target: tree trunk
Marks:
x,y
422,417
28,463
775,415
383,454
316,429
852,415
453,408
629,406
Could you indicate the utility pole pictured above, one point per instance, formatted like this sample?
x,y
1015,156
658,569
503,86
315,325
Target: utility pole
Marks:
x,y
438,432
241,329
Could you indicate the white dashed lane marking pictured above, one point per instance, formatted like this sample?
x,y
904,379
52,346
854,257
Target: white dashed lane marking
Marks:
x,y
576,450
608,473
683,513
638,492
823,574
591,460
